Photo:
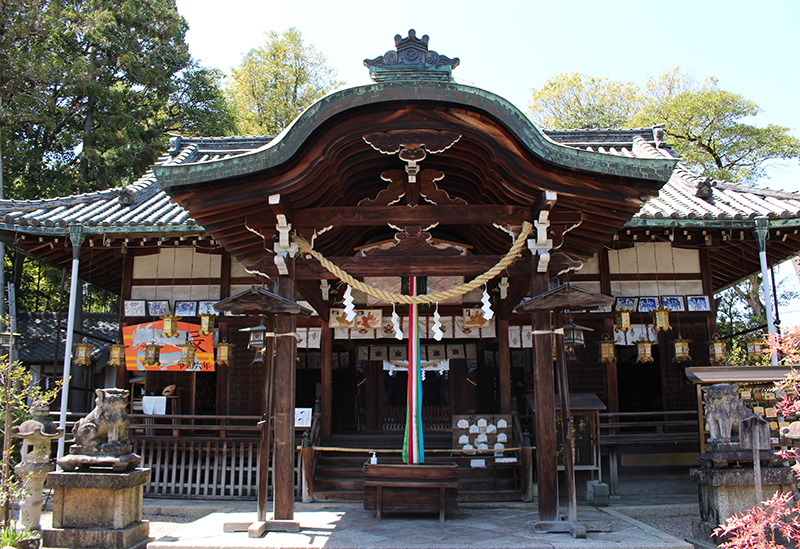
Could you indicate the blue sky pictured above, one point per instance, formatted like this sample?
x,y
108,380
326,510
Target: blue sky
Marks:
x,y
508,47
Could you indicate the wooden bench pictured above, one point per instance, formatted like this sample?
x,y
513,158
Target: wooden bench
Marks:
x,y
410,488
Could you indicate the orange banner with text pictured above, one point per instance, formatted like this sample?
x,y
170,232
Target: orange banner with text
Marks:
x,y
137,336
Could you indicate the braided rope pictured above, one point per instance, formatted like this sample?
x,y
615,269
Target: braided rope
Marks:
x,y
507,260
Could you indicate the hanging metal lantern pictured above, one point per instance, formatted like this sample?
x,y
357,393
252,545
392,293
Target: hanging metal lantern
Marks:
x,y
573,336
152,355
207,323
607,350
170,325
681,349
116,354
755,348
82,353
644,348
187,354
622,321
224,352
258,357
661,319
716,349
257,336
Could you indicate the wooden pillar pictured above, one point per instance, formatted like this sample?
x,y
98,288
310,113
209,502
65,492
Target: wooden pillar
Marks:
x,y
374,415
222,375
285,353
125,293
612,382
708,289
504,363
326,379
546,463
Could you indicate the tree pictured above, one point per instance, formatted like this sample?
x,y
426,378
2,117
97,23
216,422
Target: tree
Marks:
x,y
574,100
276,81
90,89
706,124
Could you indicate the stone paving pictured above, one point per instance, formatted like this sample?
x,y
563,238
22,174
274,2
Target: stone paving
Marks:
x,y
339,526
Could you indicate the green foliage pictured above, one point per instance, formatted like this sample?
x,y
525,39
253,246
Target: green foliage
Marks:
x,y
11,536
17,388
707,126
578,101
276,81
90,89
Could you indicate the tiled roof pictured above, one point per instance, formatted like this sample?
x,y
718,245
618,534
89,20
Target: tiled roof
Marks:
x,y
139,207
145,207
38,330
687,197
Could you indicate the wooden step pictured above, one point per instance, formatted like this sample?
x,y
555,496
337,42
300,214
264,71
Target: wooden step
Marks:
x,y
339,495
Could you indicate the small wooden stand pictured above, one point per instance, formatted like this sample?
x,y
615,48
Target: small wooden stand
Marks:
x,y
410,488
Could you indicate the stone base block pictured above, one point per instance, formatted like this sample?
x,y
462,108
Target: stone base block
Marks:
x,y
725,492
97,500
134,536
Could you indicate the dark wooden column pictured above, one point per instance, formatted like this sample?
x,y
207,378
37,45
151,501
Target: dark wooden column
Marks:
x,y
222,375
504,360
708,289
285,353
125,293
326,378
374,416
612,382
546,463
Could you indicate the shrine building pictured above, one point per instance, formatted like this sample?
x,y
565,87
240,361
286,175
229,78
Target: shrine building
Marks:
x,y
270,276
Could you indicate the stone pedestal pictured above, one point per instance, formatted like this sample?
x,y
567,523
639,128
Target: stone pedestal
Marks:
x,y
725,492
97,510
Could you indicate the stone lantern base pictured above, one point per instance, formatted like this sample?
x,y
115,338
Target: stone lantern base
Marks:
x,y
97,509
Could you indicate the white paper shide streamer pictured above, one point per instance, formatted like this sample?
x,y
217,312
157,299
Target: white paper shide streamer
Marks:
x,y
398,332
487,306
349,309
437,325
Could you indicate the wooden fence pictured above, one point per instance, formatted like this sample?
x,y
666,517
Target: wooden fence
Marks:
x,y
434,418
218,459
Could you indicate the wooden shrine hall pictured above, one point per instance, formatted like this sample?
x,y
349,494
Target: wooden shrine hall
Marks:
x,y
512,236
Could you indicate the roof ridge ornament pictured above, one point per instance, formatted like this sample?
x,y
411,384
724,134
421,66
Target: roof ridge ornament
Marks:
x,y
411,60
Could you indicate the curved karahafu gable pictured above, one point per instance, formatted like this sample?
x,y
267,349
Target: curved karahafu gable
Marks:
x,y
343,152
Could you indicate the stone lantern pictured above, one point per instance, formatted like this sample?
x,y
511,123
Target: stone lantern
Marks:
x,y
36,435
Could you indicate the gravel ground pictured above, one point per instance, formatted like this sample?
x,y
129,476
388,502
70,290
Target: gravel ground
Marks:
x,y
675,520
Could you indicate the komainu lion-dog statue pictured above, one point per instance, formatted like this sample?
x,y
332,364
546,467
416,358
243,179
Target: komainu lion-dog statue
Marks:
x,y
101,438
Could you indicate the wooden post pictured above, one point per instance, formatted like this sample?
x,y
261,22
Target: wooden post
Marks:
x,y
266,425
285,353
612,381
504,360
222,376
566,422
526,464
546,463
326,379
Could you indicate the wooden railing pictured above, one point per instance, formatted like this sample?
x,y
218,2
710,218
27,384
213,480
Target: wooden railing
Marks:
x,y
309,458
674,426
215,459
434,418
